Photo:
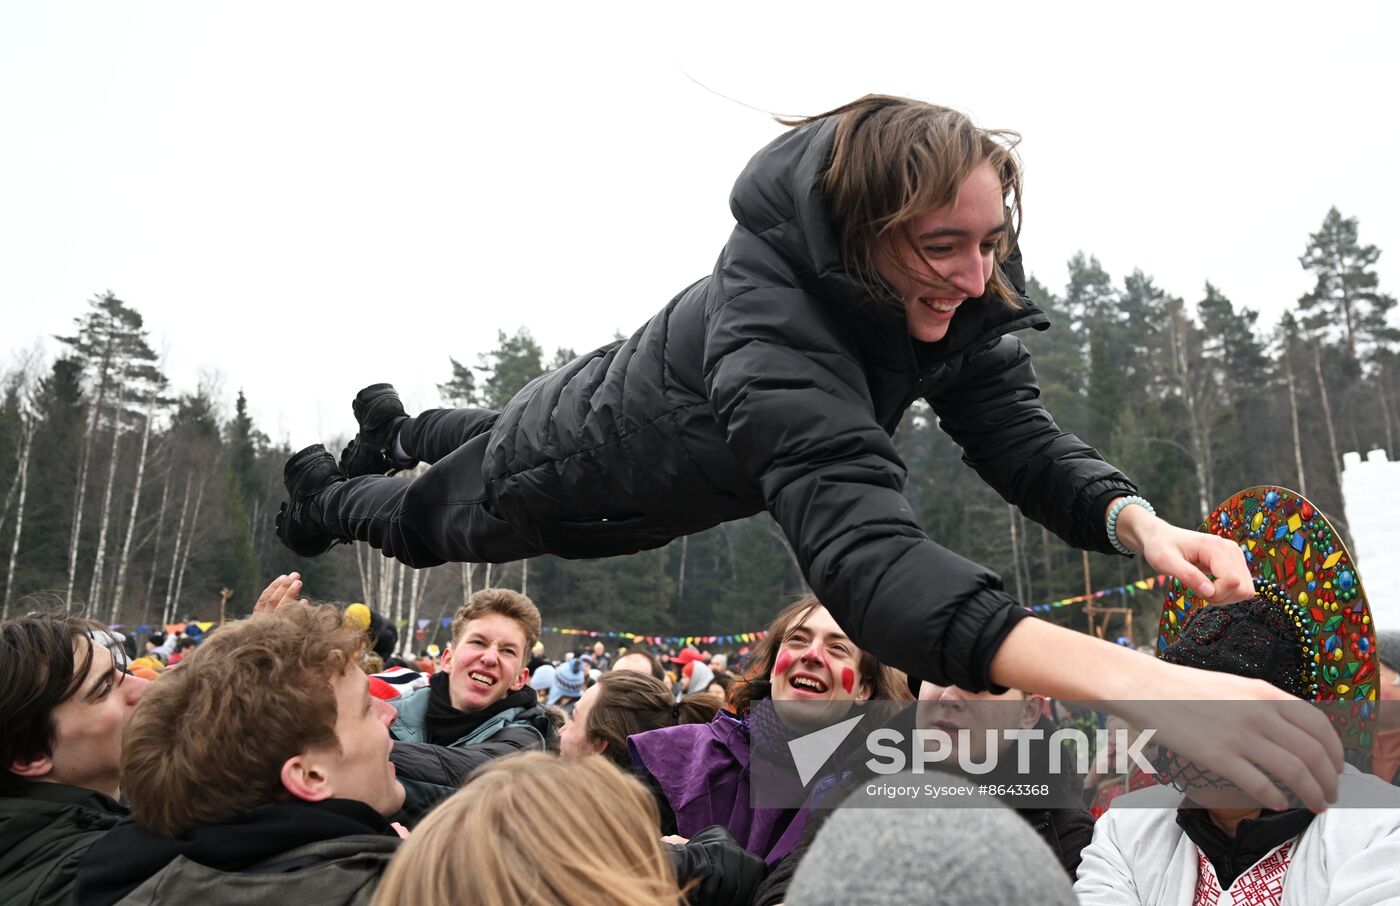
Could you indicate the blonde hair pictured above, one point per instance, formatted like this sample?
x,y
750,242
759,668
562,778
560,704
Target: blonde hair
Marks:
x,y
895,159
514,836
507,603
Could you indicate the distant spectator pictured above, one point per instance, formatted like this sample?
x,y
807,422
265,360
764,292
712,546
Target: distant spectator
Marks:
x,y
695,679
383,637
183,648
537,658
642,661
542,681
570,679
720,684
601,660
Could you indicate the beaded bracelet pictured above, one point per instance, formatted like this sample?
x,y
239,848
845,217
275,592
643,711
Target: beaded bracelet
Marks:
x,y
1117,508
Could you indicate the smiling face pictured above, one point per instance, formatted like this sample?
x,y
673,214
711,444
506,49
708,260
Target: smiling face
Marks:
x,y
87,747
358,766
946,256
817,662
486,662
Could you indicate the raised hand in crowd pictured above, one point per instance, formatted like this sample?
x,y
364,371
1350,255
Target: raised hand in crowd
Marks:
x,y
284,588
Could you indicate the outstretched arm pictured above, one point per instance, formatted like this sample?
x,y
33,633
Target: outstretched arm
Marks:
x,y
1297,745
994,413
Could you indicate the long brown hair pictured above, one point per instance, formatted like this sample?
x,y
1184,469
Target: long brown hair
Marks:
x,y
885,682
895,159
628,703
535,828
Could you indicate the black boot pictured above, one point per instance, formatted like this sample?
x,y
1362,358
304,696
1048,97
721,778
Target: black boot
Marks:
x,y
380,413
306,474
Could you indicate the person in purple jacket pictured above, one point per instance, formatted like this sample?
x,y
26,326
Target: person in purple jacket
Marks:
x,y
700,773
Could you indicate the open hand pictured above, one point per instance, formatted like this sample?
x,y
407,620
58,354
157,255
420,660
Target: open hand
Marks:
x,y
1213,567
280,591
1246,731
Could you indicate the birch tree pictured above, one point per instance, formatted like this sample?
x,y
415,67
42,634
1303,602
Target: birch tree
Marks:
x,y
124,559
20,398
110,342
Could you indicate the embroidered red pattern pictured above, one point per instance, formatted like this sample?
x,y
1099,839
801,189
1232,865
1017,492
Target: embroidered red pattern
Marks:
x,y
1261,885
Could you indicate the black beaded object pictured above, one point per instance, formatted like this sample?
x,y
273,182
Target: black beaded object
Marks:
x,y
1264,638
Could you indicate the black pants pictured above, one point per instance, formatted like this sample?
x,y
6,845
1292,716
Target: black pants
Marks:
x,y
437,517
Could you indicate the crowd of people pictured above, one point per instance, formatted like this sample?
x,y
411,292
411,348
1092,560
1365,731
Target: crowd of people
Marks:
x,y
281,759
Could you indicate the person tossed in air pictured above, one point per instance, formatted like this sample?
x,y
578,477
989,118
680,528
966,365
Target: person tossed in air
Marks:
x,y
874,262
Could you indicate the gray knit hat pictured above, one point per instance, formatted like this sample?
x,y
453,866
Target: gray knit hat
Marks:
x,y
1388,647
947,856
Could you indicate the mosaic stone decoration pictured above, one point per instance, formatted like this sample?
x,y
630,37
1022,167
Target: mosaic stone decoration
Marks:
x,y
1291,548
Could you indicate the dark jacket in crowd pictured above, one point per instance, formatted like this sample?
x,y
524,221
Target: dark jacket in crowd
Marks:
x,y
437,746
293,852
44,833
429,773
1061,821
776,384
716,869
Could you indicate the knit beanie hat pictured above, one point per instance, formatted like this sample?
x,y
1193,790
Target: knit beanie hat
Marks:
x,y
542,680
948,856
568,681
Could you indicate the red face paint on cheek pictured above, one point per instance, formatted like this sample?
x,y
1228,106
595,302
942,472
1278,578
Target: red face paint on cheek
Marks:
x,y
783,663
848,679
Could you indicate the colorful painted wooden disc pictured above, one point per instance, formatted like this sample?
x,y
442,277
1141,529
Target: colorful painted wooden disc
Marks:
x,y
1290,545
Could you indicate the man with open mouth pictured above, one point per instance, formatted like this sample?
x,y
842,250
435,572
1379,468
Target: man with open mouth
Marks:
x,y
478,707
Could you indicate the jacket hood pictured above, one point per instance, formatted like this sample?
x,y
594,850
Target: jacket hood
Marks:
x,y
779,197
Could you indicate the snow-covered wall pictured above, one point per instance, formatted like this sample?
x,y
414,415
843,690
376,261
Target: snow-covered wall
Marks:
x,y
1371,496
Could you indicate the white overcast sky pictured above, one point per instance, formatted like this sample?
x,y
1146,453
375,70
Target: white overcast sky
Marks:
x,y
308,197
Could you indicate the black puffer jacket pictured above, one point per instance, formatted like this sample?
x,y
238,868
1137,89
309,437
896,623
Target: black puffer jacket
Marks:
x,y
776,383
